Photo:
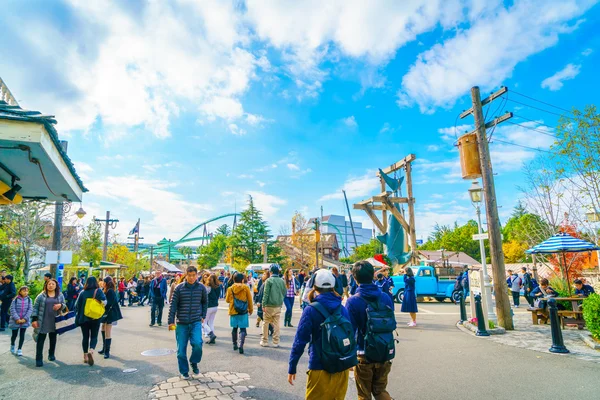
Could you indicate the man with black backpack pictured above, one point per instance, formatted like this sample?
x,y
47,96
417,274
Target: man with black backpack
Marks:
x,y
372,316
326,327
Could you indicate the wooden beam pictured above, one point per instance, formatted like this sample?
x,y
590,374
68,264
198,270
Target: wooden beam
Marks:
x,y
399,165
384,215
397,215
411,215
494,122
374,218
485,101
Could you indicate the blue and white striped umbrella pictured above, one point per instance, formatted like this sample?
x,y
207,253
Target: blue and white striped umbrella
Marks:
x,y
562,243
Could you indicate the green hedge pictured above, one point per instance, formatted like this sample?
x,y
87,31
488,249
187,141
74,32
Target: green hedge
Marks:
x,y
591,314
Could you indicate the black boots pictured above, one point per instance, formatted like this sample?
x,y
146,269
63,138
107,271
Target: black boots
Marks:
x,y
103,342
212,338
107,348
242,340
288,322
234,339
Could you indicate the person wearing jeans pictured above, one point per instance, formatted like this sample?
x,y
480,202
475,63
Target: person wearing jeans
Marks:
x,y
290,295
214,290
89,327
272,301
158,295
188,305
46,307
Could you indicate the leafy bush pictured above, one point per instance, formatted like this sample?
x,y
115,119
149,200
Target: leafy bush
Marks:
x,y
591,314
491,324
35,286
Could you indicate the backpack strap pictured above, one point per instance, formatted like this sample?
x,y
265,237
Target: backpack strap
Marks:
x,y
319,307
374,305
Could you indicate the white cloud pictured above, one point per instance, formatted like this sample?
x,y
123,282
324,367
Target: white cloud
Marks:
x,y
433,147
451,134
385,128
236,130
245,176
355,187
505,36
555,82
293,167
350,122
260,183
587,52
168,211
131,69
268,204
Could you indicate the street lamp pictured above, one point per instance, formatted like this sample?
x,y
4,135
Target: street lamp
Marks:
x,y
476,195
81,212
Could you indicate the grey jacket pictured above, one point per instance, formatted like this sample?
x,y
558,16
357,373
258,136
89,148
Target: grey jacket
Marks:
x,y
39,307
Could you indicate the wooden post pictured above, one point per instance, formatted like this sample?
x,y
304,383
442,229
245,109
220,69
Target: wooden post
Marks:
x,y
411,214
502,302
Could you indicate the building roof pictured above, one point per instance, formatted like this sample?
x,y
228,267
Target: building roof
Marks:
x,y
16,113
168,266
452,257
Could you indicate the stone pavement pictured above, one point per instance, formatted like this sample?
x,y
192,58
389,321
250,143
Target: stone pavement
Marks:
x,y
221,385
538,338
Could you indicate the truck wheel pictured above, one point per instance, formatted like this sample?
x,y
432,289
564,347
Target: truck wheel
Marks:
x,y
440,299
456,296
400,296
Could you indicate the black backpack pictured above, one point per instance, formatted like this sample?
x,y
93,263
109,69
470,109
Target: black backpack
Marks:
x,y
338,347
380,345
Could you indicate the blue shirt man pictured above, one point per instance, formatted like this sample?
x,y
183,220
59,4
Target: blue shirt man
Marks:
x,y
583,290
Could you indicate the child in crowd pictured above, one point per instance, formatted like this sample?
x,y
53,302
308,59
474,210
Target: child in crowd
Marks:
x,y
20,319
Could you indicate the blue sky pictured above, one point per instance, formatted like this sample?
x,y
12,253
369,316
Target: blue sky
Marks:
x,y
177,112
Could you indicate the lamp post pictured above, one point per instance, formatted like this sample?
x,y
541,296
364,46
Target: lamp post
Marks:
x,y
476,195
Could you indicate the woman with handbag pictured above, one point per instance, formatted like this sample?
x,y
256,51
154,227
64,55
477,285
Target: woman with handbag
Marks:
x,y
90,308
239,298
46,308
111,315
20,316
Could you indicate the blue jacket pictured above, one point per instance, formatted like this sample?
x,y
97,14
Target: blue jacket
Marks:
x,y
586,290
163,288
357,307
309,331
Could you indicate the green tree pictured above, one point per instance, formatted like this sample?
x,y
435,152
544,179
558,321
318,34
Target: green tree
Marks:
x,y
24,225
91,242
211,254
223,230
186,251
457,238
248,237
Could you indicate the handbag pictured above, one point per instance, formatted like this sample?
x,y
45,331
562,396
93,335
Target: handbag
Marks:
x,y
65,322
94,309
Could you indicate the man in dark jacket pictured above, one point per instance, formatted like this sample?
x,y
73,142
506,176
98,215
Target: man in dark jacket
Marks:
x,y
188,304
370,378
527,286
9,292
158,294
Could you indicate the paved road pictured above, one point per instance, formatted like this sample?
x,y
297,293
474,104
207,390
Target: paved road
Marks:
x,y
435,361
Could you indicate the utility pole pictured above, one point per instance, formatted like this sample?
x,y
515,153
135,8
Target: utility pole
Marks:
x,y
491,207
317,240
58,218
108,223
321,244
151,256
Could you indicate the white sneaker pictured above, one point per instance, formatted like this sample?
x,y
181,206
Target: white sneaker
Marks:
x,y
264,344
12,349
276,345
19,352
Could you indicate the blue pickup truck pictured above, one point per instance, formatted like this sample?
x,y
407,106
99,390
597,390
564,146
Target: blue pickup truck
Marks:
x,y
427,284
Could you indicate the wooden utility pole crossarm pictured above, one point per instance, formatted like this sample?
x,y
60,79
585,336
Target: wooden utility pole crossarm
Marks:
x,y
369,211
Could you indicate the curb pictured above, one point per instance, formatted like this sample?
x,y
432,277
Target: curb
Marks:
x,y
590,341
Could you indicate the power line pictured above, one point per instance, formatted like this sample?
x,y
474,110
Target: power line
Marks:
x,y
525,147
540,101
533,129
538,108
533,120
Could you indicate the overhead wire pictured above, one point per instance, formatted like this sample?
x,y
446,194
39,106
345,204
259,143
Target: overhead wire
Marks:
x,y
533,129
525,147
539,109
541,101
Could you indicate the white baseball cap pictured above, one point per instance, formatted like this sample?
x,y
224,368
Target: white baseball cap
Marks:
x,y
324,279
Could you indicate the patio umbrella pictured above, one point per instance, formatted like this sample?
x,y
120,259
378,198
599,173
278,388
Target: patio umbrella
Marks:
x,y
563,243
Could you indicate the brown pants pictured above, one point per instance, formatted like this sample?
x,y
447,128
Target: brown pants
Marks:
x,y
271,315
372,379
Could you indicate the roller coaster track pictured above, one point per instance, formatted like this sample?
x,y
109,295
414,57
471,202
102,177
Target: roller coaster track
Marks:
x,y
185,238
338,231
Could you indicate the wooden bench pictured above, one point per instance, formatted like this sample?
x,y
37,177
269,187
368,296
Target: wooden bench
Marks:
x,y
568,317
538,314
